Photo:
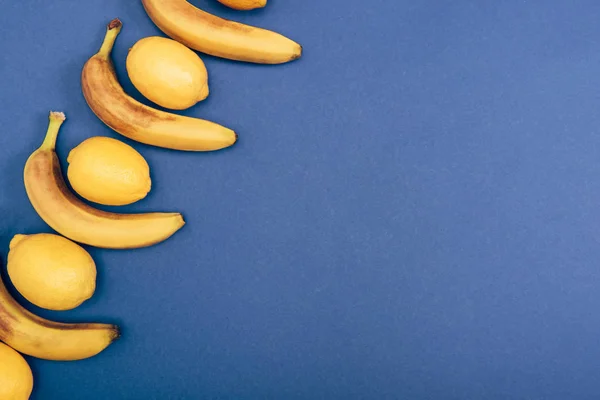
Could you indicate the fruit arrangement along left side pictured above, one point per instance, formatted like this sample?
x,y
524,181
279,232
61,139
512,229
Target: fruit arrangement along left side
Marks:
x,y
53,271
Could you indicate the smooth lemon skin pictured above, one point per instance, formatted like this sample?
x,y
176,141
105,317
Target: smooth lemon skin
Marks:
x,y
107,171
16,379
244,4
51,271
167,73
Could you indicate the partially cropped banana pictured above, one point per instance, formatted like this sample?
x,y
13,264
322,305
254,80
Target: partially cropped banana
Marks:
x,y
71,217
244,4
38,337
219,37
132,119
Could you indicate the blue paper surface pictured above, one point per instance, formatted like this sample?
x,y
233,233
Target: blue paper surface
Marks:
x,y
412,210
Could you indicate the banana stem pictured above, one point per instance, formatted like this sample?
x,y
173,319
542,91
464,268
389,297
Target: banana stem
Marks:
x,y
112,31
56,120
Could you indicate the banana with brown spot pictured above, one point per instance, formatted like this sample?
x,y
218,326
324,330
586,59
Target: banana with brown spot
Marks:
x,y
144,124
219,37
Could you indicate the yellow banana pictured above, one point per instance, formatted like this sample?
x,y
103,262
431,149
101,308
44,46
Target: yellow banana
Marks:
x,y
132,119
38,337
219,37
71,217
244,4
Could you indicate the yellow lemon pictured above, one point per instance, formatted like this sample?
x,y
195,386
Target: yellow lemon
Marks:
x,y
108,171
167,73
16,379
244,4
50,271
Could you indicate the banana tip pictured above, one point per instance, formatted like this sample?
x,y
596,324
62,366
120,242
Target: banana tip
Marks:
x,y
116,334
115,24
298,53
180,221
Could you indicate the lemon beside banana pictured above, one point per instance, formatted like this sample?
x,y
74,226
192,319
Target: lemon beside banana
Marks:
x,y
108,171
74,219
50,271
244,4
49,340
107,99
16,379
167,73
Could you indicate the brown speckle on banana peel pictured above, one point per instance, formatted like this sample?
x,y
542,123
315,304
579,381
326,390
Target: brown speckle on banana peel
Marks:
x,y
131,115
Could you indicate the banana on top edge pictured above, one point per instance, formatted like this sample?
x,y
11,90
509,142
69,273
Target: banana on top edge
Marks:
x,y
219,37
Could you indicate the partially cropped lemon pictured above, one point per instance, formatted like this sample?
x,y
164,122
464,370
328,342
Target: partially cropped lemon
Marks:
x,y
244,4
16,379
167,73
108,171
50,271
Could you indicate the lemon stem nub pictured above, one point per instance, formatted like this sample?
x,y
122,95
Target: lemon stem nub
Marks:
x,y
112,31
56,120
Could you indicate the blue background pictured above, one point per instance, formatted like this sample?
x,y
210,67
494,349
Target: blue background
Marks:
x,y
412,210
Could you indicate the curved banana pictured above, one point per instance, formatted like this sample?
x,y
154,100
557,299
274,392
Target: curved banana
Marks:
x,y
132,119
219,37
38,337
244,4
71,217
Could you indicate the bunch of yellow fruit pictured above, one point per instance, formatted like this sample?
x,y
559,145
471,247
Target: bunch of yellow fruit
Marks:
x,y
56,273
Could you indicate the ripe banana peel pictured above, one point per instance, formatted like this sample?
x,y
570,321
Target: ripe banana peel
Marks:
x,y
107,99
244,4
71,217
219,37
41,338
